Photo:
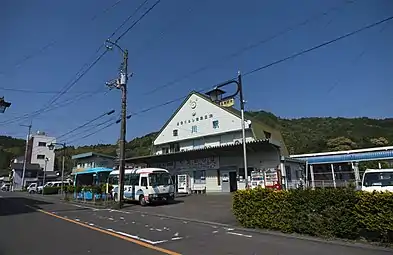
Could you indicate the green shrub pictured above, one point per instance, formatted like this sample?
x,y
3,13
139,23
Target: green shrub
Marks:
x,y
51,190
341,213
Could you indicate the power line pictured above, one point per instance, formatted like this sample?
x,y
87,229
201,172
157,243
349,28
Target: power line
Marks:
x,y
274,63
67,87
318,46
56,41
137,21
41,91
249,47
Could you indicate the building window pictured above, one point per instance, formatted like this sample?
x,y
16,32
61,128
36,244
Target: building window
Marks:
x,y
215,124
181,122
205,117
178,123
200,177
39,156
175,132
288,173
42,144
194,129
174,147
189,121
267,134
210,115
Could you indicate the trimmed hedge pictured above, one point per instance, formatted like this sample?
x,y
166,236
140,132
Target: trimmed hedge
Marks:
x,y
339,213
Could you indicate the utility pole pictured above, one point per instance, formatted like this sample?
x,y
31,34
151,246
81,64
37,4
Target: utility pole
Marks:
x,y
26,152
43,181
121,84
239,80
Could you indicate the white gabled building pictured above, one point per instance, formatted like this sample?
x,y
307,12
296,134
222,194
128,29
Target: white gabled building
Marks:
x,y
203,141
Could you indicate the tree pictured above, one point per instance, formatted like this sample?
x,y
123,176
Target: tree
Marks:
x,y
381,141
340,144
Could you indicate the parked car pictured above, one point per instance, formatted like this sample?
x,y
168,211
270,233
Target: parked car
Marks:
x,y
5,187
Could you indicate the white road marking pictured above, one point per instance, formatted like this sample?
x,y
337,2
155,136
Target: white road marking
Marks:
x,y
214,232
159,230
110,218
91,224
229,229
239,234
176,238
138,238
77,219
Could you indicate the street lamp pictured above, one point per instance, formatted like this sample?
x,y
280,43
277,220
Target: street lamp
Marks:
x,y
43,180
3,105
52,147
238,82
121,84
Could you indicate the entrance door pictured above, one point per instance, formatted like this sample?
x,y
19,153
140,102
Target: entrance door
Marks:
x,y
232,181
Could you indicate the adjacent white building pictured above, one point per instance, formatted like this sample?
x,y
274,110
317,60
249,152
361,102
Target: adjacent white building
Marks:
x,y
201,145
38,151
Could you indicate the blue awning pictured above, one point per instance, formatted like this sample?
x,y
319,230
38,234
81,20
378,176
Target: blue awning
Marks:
x,y
95,170
350,157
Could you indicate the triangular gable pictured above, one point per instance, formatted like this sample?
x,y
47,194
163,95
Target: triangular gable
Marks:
x,y
197,110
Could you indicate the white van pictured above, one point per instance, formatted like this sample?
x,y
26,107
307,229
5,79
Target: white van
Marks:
x,y
145,185
377,180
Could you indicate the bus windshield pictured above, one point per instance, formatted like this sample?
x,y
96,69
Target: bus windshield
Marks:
x,y
113,179
157,179
378,179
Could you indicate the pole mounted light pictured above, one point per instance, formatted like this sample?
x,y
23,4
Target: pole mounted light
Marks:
x,y
121,83
51,147
3,105
239,90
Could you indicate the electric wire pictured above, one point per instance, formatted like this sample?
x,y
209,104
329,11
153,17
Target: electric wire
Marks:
x,y
249,47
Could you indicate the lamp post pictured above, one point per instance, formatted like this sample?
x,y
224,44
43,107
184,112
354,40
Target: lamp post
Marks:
x,y
43,180
52,147
121,83
3,105
239,91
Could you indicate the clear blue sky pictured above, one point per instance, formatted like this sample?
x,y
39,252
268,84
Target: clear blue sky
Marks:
x,y
352,77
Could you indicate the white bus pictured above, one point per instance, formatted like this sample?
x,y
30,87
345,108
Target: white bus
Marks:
x,y
145,185
377,180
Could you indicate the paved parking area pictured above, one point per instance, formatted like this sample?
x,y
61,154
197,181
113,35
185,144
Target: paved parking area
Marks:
x,y
212,208
150,234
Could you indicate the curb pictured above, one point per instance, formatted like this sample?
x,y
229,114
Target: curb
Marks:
x,y
347,243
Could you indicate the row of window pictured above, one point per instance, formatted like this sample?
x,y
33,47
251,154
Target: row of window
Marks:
x,y
194,128
196,119
41,144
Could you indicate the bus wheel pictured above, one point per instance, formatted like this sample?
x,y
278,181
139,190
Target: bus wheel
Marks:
x,y
142,200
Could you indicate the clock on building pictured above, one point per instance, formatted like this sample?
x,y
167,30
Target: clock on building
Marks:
x,y
193,104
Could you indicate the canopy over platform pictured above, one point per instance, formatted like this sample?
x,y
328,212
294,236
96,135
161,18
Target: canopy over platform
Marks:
x,y
225,150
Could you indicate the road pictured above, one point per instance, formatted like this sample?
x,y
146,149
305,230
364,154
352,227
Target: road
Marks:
x,y
32,226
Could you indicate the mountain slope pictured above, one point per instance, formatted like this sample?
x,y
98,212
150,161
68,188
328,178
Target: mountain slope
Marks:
x,y
303,135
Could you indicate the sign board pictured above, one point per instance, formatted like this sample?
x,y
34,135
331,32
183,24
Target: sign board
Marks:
x,y
228,102
198,164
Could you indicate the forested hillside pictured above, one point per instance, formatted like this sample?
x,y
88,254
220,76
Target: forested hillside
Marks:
x,y
302,135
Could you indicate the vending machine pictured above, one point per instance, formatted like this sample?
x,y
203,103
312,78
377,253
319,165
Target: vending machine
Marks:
x,y
183,183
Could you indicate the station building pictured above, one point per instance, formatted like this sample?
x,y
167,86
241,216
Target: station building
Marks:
x,y
201,145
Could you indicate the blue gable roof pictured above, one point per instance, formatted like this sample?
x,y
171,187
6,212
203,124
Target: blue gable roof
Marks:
x,y
95,170
365,156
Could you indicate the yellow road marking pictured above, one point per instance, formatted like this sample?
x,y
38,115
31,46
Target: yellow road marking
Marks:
x,y
126,238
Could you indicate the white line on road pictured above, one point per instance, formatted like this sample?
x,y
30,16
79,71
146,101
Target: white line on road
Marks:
x,y
137,237
239,234
176,238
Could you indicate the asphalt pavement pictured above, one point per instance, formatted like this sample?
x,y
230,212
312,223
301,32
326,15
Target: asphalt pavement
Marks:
x,y
38,227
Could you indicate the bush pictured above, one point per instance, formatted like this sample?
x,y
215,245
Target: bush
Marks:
x,y
341,213
51,190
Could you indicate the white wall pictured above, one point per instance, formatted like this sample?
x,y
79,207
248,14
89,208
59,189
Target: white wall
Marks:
x,y
198,108
43,150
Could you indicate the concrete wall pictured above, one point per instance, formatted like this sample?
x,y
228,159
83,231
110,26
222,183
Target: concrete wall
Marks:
x,y
39,153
